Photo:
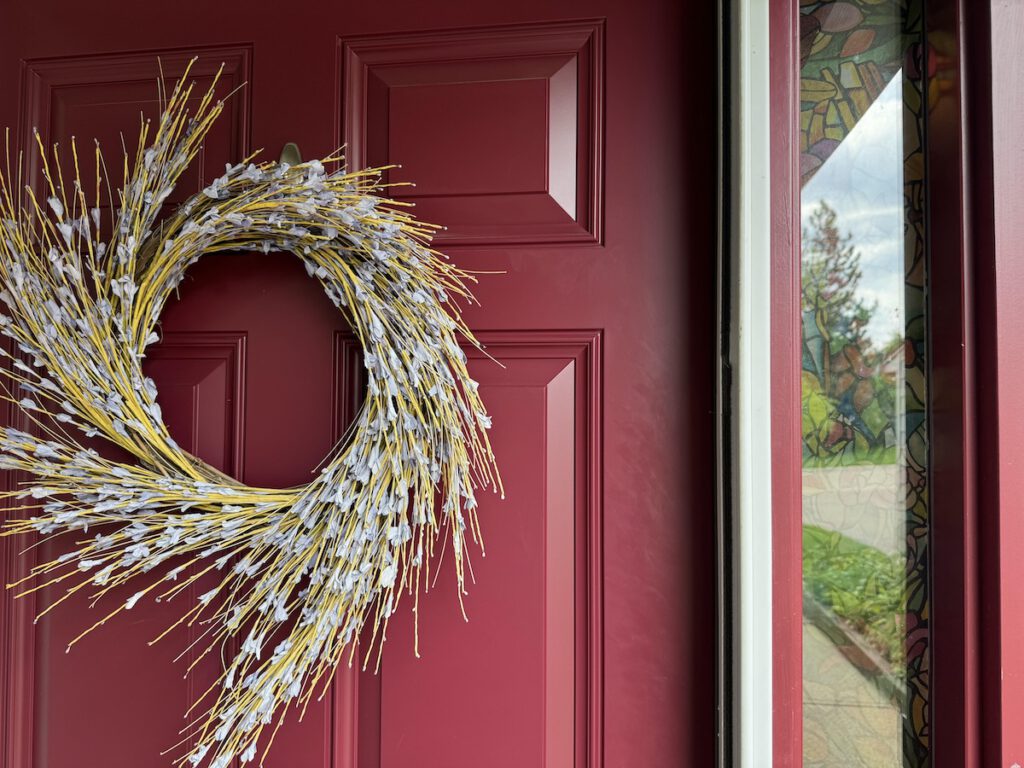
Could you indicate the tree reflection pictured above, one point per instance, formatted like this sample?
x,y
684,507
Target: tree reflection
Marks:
x,y
849,381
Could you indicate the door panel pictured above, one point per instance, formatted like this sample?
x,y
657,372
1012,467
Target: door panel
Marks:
x,y
529,607
519,160
87,709
99,98
567,146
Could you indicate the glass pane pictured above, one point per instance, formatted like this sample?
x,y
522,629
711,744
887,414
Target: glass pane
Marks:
x,y
865,500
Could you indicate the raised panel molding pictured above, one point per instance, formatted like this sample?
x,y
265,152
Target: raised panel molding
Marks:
x,y
193,361
100,96
555,376
500,128
349,382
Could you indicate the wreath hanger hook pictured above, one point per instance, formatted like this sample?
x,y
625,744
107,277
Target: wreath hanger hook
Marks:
x,y
290,154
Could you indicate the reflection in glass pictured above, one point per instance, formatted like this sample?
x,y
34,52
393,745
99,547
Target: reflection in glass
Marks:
x,y
863,400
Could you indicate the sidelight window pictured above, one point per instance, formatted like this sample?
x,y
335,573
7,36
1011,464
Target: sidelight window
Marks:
x,y
864,384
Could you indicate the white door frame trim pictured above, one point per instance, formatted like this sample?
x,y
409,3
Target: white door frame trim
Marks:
x,y
747,197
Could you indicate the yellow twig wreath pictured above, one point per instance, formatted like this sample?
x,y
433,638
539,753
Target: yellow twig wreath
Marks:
x,y
297,572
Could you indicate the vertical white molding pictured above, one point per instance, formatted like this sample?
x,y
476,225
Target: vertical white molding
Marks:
x,y
750,349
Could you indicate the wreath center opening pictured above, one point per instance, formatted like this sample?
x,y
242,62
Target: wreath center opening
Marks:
x,y
257,373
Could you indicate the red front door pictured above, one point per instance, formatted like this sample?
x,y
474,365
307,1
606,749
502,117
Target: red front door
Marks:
x,y
569,148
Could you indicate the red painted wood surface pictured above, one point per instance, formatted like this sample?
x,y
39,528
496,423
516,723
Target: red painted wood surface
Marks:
x,y
786,509
976,279
957,325
1003,476
980,187
569,145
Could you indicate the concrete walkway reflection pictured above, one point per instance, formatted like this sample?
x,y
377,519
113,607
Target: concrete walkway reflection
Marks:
x,y
848,722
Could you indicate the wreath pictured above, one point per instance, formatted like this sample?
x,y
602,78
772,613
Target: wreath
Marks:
x,y
298,572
